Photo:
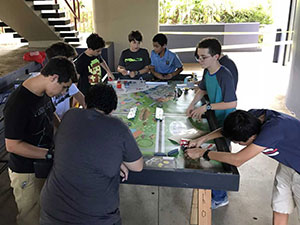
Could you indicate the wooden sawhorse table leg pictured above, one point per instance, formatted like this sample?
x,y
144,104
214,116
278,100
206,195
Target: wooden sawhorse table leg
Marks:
x,y
201,207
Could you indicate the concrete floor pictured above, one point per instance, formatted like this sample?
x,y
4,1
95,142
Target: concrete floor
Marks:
x,y
262,84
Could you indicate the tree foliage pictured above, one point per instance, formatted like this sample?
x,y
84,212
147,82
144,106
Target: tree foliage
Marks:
x,y
199,11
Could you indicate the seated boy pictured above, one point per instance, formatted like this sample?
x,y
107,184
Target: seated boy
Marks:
x,y
134,61
273,133
89,64
165,65
62,101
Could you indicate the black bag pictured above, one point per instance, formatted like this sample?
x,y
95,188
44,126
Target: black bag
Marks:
x,y
42,167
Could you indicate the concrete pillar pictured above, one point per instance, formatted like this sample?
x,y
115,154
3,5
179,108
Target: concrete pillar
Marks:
x,y
292,99
114,20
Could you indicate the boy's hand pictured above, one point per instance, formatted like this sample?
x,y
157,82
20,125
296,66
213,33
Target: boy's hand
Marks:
x,y
124,172
168,76
132,74
189,110
124,72
194,153
197,113
197,142
111,76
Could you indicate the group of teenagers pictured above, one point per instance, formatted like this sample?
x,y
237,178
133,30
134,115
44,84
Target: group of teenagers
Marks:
x,y
92,148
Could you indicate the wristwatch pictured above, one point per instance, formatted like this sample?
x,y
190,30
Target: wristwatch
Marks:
x,y
208,106
49,155
205,155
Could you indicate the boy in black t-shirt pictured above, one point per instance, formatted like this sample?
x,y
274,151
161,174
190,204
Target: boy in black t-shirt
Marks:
x,y
28,117
89,64
134,61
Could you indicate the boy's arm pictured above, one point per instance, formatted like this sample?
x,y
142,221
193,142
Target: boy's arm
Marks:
x,y
80,98
144,70
175,73
156,74
210,136
106,68
25,149
199,95
135,165
236,159
122,70
214,106
56,120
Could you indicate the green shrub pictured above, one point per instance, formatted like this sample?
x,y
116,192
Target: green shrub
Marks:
x,y
178,12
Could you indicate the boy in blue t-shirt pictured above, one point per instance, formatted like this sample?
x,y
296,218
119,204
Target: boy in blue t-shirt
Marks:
x,y
165,64
273,133
218,84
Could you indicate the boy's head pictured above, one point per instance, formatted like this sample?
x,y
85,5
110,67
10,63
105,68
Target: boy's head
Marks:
x,y
102,97
135,38
61,49
208,51
241,127
95,43
60,72
160,42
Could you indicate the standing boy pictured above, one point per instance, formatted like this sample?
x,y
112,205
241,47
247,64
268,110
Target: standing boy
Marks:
x,y
165,65
28,117
89,64
62,101
276,135
134,62
90,148
218,84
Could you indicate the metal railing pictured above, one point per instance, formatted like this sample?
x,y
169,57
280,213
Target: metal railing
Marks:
x,y
75,10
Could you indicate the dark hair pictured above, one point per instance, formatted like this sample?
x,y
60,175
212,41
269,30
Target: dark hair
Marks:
x,y
135,35
213,45
161,39
94,41
102,97
62,49
63,67
240,125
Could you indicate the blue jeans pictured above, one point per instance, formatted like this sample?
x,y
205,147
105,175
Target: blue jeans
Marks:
x,y
218,195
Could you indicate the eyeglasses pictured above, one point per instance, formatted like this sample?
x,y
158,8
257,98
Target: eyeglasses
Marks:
x,y
201,58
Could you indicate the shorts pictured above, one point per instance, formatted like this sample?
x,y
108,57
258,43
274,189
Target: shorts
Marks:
x,y
286,191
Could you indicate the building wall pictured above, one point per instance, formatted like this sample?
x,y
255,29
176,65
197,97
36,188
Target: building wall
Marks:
x,y
114,19
23,19
292,101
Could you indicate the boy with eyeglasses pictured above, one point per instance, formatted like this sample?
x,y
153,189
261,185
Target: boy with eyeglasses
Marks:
x,y
218,84
62,101
165,65
224,60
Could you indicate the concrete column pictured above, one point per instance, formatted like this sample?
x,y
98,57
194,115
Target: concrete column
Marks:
x,y
293,93
114,20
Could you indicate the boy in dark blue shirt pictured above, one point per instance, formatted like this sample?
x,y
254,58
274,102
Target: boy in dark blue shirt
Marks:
x,y
276,135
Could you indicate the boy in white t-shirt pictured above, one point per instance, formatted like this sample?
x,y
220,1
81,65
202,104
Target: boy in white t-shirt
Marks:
x,y
62,102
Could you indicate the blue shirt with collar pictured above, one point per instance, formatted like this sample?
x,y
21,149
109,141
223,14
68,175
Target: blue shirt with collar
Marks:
x,y
166,64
